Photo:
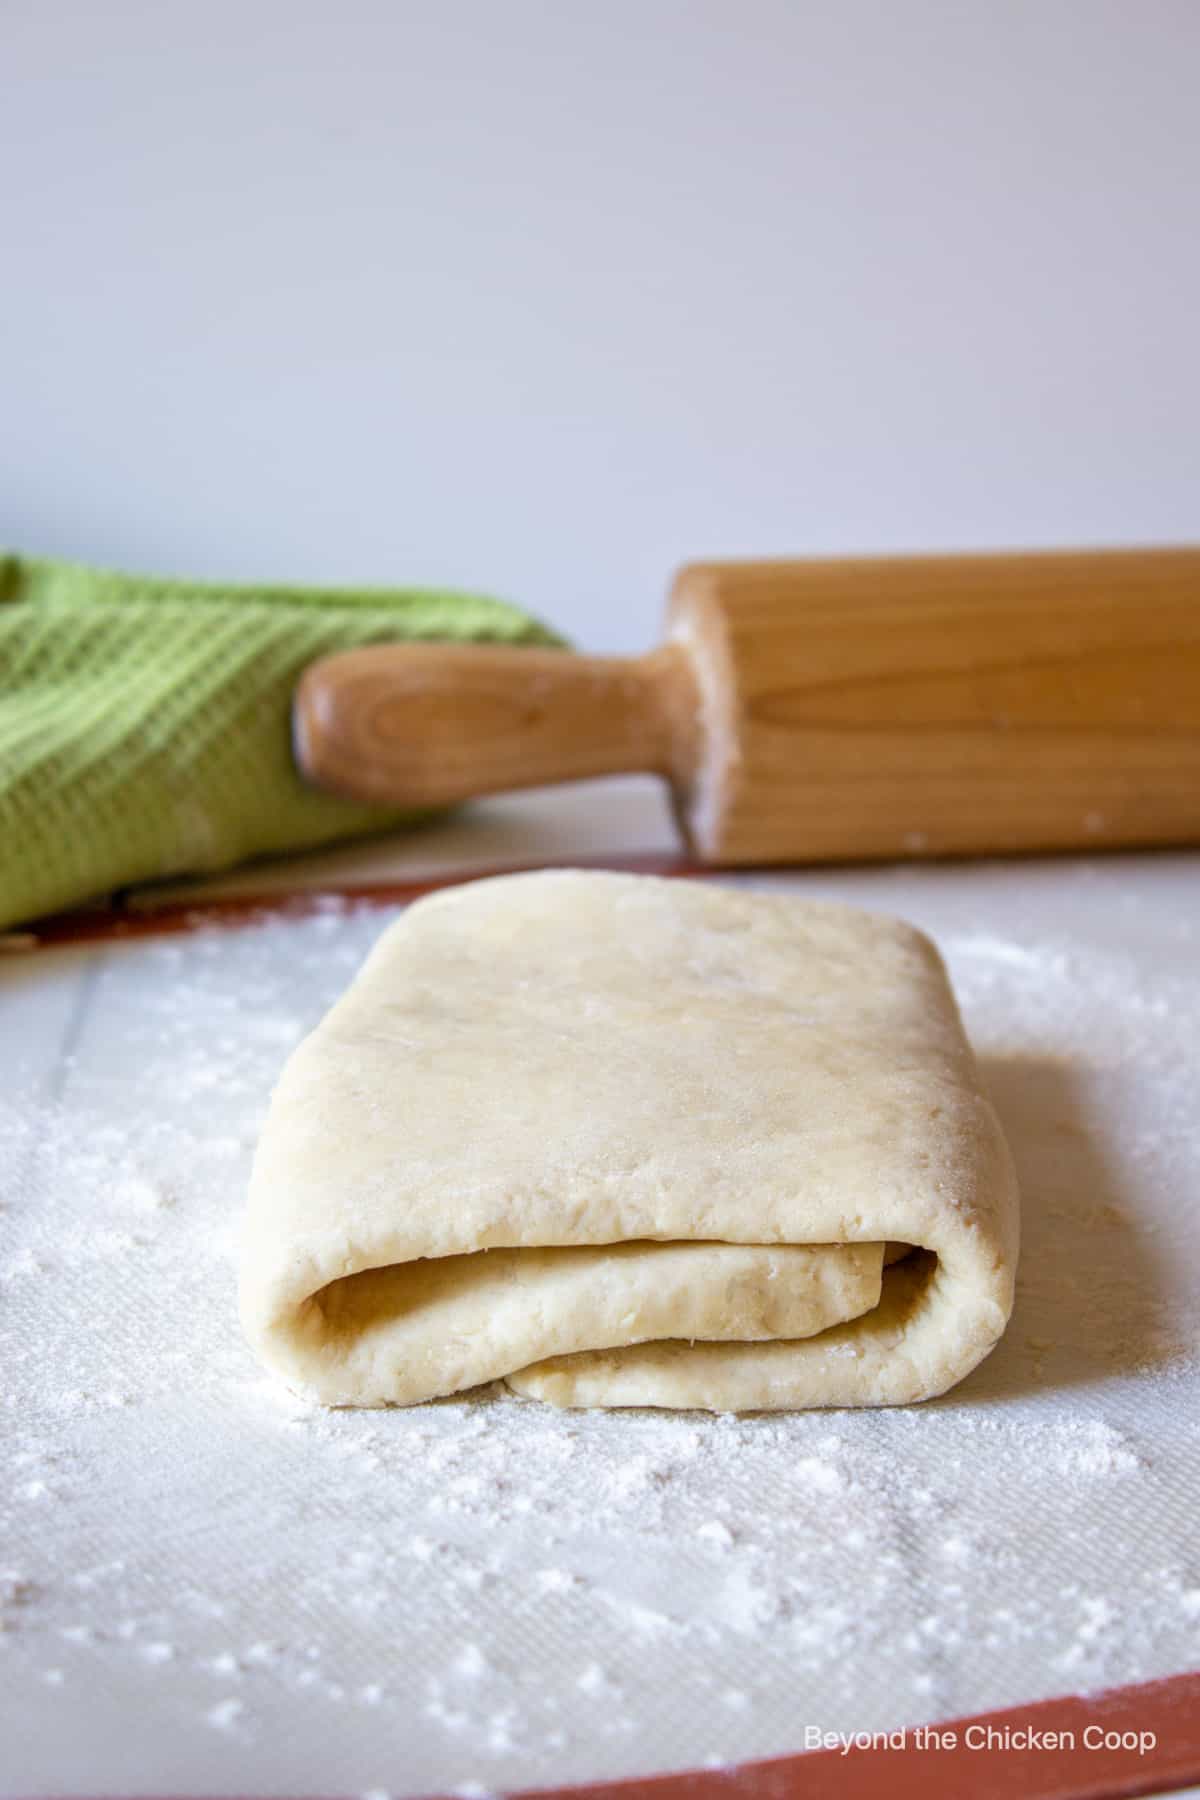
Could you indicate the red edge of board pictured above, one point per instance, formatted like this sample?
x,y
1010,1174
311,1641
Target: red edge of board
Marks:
x,y
144,916
1113,1745
1019,1764
1042,1751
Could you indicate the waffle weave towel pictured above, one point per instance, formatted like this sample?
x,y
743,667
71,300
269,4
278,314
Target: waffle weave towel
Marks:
x,y
145,723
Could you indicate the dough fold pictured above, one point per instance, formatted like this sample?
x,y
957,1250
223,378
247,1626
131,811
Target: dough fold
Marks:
x,y
624,1142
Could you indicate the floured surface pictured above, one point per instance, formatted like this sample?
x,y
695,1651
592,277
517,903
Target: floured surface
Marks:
x,y
206,1587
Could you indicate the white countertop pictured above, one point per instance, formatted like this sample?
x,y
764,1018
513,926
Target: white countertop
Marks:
x,y
207,1586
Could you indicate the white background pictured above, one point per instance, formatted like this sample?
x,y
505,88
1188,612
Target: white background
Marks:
x,y
544,297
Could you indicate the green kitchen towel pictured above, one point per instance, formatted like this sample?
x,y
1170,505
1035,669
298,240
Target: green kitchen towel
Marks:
x,y
145,723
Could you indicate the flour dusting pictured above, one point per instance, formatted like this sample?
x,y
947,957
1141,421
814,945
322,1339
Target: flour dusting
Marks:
x,y
516,1595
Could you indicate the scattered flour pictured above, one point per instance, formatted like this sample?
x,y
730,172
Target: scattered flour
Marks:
x,y
226,1715
470,1662
520,1596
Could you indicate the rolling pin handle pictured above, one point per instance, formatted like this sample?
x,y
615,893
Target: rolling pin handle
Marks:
x,y
427,725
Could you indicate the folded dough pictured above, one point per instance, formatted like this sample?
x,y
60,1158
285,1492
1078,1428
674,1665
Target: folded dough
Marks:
x,y
633,1142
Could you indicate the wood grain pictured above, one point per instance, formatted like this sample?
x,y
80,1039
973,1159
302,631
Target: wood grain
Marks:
x,y
831,710
926,706
421,725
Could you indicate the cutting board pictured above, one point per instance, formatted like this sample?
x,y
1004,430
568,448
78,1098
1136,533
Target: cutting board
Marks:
x,y
210,1588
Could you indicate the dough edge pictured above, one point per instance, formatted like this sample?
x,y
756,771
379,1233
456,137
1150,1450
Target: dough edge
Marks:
x,y
933,1325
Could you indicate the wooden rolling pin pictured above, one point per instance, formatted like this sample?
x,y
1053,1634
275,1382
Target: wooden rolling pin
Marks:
x,y
808,711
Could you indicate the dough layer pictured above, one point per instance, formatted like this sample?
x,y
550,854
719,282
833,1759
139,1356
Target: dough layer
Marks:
x,y
625,1141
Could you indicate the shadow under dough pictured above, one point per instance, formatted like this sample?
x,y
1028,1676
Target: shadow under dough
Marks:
x,y
1087,1301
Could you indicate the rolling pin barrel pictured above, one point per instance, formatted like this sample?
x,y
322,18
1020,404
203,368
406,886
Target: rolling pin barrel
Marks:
x,y
823,710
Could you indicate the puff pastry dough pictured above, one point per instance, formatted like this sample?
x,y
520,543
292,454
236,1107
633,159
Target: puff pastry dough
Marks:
x,y
626,1142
